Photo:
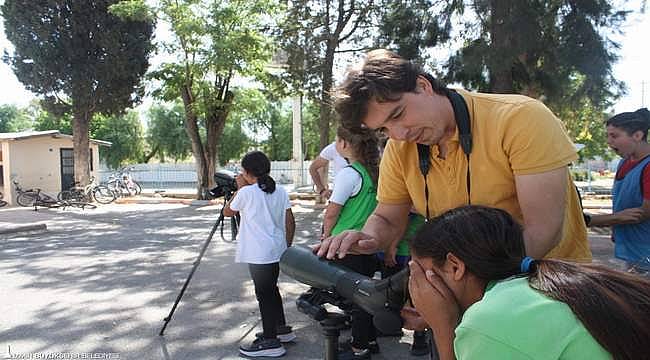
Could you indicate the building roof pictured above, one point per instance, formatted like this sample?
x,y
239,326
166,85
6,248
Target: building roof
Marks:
x,y
21,135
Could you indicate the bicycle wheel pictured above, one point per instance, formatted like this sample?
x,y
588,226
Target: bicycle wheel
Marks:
x,y
103,195
27,198
115,187
80,204
135,187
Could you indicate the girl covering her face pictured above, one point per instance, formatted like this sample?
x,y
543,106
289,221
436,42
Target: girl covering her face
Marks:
x,y
484,299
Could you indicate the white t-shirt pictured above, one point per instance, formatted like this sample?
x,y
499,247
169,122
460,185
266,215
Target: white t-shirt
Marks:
x,y
261,238
346,184
337,161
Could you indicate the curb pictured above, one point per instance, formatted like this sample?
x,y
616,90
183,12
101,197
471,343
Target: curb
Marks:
x,y
23,228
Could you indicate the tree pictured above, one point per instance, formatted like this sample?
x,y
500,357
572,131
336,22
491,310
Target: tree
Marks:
x,y
126,135
47,121
407,27
166,133
80,58
213,41
557,51
14,119
310,35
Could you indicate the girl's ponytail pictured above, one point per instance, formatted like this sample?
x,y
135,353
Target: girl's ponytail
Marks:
x,y
258,165
612,305
266,183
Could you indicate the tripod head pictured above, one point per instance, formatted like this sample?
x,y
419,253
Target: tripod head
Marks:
x,y
225,183
381,298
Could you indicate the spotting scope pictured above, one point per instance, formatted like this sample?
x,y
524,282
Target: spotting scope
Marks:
x,y
381,298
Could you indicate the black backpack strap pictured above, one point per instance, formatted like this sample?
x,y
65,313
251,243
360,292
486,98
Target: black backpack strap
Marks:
x,y
461,113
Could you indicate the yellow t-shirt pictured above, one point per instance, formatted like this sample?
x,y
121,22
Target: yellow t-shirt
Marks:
x,y
511,135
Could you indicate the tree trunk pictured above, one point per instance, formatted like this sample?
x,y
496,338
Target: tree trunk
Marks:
x,y
326,99
192,129
81,144
216,122
501,41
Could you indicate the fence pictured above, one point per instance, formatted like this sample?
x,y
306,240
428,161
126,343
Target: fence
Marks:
x,y
183,175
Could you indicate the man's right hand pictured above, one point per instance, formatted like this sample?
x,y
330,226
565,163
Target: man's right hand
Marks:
x,y
349,241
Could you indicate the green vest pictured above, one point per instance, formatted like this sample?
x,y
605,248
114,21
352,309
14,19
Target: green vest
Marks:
x,y
356,210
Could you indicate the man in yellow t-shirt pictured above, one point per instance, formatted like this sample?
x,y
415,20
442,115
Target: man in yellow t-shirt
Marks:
x,y
518,160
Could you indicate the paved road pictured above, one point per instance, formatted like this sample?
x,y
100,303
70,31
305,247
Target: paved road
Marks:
x,y
101,281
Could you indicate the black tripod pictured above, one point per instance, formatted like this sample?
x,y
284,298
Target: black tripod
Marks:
x,y
332,326
234,221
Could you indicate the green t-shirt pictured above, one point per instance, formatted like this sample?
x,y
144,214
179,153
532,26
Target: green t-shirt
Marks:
x,y
514,321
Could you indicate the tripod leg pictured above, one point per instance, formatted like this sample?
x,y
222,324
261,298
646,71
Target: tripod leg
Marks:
x,y
196,265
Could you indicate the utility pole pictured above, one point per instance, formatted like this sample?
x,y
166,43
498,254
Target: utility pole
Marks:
x,y
298,176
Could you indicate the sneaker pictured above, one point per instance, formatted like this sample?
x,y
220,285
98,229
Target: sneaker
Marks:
x,y
350,354
420,347
285,334
263,347
373,346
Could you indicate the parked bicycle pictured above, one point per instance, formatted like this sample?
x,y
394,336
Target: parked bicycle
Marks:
x,y
2,202
123,184
100,193
34,197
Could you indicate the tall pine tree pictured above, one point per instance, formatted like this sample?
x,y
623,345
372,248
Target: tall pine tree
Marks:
x,y
80,58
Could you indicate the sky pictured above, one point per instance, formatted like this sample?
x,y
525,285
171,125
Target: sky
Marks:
x,y
633,66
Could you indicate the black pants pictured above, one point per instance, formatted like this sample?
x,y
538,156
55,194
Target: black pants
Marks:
x,y
362,328
265,278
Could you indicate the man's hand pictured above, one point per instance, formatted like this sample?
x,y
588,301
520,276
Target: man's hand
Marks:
x,y
349,241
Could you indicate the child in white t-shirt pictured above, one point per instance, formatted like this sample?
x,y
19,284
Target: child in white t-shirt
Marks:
x,y
267,228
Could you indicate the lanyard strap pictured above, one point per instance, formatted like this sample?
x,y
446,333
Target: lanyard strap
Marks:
x,y
461,115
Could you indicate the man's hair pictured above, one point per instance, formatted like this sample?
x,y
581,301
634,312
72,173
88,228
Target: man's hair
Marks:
x,y
383,76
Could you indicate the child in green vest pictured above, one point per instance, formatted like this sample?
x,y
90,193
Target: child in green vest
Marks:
x,y
353,199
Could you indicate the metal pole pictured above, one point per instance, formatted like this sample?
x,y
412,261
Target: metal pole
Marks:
x,y
297,160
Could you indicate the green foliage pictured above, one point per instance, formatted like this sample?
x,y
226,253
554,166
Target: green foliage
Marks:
x,y
540,48
126,135
14,119
579,175
558,51
310,35
47,121
77,50
407,27
82,59
166,131
234,142
213,41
